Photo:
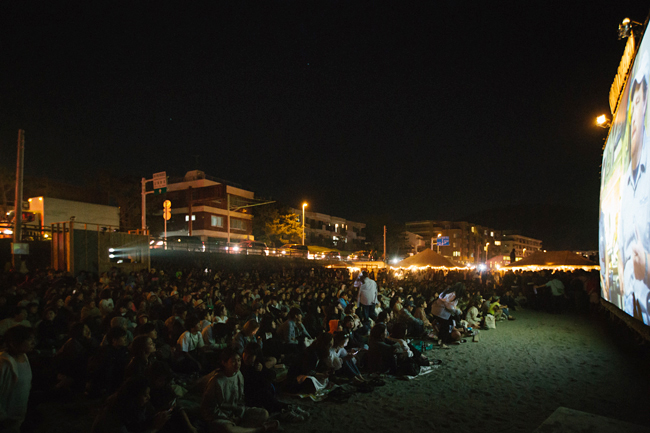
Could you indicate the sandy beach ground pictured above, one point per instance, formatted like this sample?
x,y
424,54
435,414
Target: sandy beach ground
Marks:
x,y
510,381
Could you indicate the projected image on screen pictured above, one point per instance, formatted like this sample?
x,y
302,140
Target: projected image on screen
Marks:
x,y
625,198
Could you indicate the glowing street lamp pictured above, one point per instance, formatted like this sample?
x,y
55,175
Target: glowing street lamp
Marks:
x,y
603,121
304,205
486,251
438,243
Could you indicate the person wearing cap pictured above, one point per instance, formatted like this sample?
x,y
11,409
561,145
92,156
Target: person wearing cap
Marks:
x,y
634,220
414,326
367,296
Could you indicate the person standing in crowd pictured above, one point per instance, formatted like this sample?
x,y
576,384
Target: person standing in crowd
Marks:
x,y
367,296
15,377
557,292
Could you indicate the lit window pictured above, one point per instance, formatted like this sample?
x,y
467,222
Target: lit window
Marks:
x,y
492,234
454,245
472,229
216,221
497,243
187,217
237,224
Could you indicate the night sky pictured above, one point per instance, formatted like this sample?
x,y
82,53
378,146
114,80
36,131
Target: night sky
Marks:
x,y
417,110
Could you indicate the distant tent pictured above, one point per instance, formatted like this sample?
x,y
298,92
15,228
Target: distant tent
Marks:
x,y
552,260
427,258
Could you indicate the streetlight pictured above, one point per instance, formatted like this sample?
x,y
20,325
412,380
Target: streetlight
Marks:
x,y
486,251
603,121
438,243
524,253
304,205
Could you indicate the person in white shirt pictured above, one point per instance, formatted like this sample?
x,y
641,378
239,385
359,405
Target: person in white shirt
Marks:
x,y
367,297
191,344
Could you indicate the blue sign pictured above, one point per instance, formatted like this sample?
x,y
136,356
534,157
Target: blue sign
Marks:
x,y
442,241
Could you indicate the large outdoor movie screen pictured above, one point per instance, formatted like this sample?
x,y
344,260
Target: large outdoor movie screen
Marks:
x,y
624,238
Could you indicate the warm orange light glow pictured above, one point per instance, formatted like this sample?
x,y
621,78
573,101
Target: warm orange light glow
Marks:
x,y
601,120
304,205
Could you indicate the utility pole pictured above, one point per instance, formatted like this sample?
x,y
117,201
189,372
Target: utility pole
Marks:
x,y
384,244
18,199
144,205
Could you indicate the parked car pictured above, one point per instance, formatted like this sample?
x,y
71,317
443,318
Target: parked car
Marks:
x,y
295,250
251,248
330,255
360,256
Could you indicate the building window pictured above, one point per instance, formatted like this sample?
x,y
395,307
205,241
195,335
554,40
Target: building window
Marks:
x,y
187,218
492,234
456,253
454,245
497,243
472,229
216,221
236,224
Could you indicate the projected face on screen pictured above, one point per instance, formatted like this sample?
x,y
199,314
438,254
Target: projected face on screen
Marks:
x,y
625,199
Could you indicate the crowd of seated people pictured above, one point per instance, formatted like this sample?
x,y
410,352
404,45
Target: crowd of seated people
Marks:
x,y
138,341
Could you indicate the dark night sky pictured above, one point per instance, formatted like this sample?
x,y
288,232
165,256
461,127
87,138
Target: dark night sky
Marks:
x,y
417,110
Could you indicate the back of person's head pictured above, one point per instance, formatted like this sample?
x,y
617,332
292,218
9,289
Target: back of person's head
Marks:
x,y
191,322
119,321
19,310
227,354
147,328
178,309
253,349
347,320
129,395
382,316
399,331
221,331
340,337
159,373
350,309
250,327
139,346
378,332
115,333
17,335
294,312
322,343
77,331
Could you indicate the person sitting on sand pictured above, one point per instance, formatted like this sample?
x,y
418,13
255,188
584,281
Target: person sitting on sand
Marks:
x,y
342,362
309,372
473,317
443,308
246,336
130,410
259,389
223,406
414,325
381,353
141,350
